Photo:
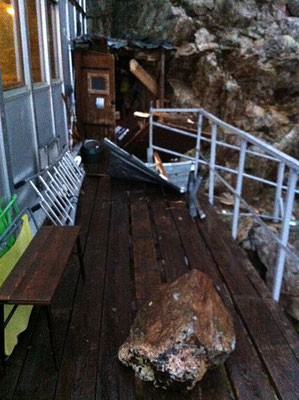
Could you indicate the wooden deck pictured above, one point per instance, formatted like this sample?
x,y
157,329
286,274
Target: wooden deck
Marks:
x,y
137,237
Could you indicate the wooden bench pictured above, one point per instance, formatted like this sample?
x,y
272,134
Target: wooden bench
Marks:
x,y
37,275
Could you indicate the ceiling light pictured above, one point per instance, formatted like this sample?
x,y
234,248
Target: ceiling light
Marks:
x,y
10,11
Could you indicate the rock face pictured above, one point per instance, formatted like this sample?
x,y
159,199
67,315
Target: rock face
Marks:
x,y
259,240
180,333
237,59
293,6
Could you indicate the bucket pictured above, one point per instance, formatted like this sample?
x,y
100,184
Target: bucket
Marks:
x,y
90,151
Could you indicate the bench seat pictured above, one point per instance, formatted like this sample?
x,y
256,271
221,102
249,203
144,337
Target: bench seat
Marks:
x,y
37,275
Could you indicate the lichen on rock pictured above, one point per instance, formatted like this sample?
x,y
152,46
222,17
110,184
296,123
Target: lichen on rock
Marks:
x,y
181,332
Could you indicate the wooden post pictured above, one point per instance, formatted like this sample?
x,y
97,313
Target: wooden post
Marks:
x,y
162,80
159,165
144,77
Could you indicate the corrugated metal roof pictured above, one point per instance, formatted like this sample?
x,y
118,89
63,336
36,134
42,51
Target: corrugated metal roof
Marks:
x,y
115,43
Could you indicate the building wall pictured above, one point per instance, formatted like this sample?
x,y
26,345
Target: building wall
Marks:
x,y
36,73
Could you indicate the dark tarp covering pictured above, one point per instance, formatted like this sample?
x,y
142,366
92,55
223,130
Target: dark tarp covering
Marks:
x,y
120,43
123,165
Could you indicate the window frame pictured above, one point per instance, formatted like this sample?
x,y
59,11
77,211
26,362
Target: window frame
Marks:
x,y
99,74
52,7
41,45
19,51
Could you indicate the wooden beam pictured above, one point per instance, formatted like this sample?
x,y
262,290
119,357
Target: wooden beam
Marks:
x,y
144,77
162,80
159,165
141,114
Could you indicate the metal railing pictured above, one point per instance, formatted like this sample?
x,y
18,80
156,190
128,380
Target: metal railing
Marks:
x,y
249,146
58,188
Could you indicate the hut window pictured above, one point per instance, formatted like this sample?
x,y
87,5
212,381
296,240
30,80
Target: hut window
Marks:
x,y
98,83
34,41
11,63
53,39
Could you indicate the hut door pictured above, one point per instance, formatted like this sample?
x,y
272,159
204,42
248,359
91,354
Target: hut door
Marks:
x,y
95,90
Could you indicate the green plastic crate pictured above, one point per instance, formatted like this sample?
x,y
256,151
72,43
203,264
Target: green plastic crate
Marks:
x,y
6,216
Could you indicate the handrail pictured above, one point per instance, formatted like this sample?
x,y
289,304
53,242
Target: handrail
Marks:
x,y
282,209
288,160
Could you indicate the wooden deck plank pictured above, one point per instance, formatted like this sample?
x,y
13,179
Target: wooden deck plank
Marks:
x,y
245,369
285,326
148,280
216,386
85,208
39,360
283,323
9,381
146,269
25,362
242,300
252,382
38,378
195,248
103,308
173,257
197,255
174,262
272,346
235,279
114,381
78,371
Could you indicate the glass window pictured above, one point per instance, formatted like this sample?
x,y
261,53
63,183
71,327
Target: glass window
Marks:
x,y
34,41
11,62
79,25
52,39
98,82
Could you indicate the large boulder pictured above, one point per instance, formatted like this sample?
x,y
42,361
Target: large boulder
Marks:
x,y
179,333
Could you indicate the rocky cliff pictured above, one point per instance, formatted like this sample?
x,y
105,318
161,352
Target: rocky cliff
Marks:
x,y
237,59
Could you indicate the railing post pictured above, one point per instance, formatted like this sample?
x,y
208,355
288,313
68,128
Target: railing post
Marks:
x,y
212,163
279,183
239,188
284,237
150,153
197,149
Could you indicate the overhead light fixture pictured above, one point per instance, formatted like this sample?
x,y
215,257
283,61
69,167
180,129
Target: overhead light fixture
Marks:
x,y
10,11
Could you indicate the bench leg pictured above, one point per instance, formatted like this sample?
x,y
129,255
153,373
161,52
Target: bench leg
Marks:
x,y
80,256
51,334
